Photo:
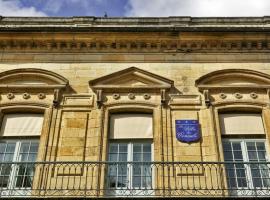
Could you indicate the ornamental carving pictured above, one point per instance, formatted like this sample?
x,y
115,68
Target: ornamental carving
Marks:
x,y
223,96
146,96
134,45
253,95
116,96
238,95
26,95
10,96
41,96
131,96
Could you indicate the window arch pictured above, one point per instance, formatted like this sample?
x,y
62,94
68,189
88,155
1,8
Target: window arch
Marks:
x,y
32,78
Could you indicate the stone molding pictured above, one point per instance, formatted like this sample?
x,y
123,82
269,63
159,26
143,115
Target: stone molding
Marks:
x,y
134,45
31,85
233,78
234,86
48,80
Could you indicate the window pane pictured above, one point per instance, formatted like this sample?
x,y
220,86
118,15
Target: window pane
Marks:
x,y
238,155
8,157
137,157
251,146
123,157
2,147
228,156
25,147
262,156
34,147
236,146
122,181
137,148
4,181
137,169
32,157
10,147
136,181
123,148
260,146
147,157
113,157
122,169
252,155
227,146
147,148
113,148
147,181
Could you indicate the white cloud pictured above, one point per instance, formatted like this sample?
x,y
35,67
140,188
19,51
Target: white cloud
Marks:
x,y
15,8
197,8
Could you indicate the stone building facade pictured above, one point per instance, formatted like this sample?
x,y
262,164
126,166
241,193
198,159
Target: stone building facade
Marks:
x,y
93,90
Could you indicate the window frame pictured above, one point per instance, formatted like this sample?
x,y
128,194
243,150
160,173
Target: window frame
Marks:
x,y
13,175
130,143
249,177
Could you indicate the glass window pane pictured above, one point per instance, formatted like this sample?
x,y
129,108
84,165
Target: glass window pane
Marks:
x,y
147,148
34,147
251,146
227,146
10,147
137,148
4,181
113,148
147,157
238,155
137,157
137,169
122,169
123,148
236,146
262,156
123,157
147,181
112,170
23,157
260,146
136,181
122,181
228,156
8,157
2,147
25,147
252,155
32,157
113,157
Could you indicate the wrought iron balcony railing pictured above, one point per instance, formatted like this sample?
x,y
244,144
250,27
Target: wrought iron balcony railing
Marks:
x,y
140,179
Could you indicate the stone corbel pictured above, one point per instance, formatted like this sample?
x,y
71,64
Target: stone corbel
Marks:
x,y
206,98
56,97
163,96
268,94
99,98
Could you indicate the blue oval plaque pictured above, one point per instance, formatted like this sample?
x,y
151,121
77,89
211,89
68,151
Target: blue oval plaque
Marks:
x,y
187,130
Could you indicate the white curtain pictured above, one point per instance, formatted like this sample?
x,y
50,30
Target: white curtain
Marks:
x,y
232,124
22,125
126,126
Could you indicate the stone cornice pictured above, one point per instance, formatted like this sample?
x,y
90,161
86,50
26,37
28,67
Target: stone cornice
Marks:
x,y
135,24
134,45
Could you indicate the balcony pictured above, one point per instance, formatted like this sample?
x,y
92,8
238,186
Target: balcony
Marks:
x,y
134,179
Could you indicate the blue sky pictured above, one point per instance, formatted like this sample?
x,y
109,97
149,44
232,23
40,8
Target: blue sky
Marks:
x,y
135,8
78,7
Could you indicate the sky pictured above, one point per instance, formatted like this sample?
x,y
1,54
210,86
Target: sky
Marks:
x,y
135,8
